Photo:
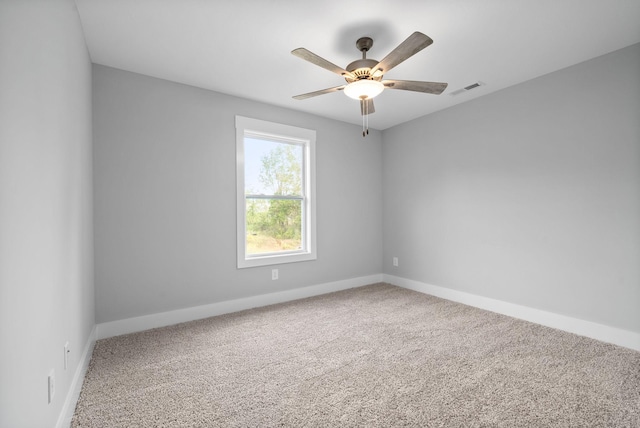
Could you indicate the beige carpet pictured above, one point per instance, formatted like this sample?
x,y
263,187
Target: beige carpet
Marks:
x,y
376,356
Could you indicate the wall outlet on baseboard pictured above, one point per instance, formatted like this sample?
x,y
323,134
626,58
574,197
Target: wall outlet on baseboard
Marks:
x,y
66,355
274,274
51,385
395,261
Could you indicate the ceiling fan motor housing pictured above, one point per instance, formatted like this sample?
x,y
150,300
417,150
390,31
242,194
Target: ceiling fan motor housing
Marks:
x,y
361,69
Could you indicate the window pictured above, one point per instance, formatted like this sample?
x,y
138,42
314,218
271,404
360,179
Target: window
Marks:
x,y
275,193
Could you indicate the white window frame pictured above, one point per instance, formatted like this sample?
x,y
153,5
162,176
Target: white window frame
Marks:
x,y
256,128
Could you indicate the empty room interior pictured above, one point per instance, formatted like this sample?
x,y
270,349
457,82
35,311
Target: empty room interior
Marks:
x,y
379,213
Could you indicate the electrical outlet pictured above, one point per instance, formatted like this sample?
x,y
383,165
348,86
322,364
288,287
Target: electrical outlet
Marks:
x,y
66,355
274,274
51,384
395,261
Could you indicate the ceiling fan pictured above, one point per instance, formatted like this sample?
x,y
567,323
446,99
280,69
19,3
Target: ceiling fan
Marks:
x,y
364,76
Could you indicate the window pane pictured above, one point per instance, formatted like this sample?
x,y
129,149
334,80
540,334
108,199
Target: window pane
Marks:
x,y
272,168
273,225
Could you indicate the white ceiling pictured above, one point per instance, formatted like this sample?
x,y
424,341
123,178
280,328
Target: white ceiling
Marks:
x,y
243,47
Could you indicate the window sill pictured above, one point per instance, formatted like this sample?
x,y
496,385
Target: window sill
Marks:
x,y
275,259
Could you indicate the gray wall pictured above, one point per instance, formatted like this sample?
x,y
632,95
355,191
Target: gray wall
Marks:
x,y
165,213
530,195
46,277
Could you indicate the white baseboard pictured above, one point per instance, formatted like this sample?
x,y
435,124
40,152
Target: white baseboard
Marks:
x,y
69,406
590,329
601,332
146,322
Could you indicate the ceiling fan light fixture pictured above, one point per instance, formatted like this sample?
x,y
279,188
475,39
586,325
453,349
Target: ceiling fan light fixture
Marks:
x,y
363,89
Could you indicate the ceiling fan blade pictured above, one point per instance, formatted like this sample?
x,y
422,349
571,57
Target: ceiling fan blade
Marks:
x,y
320,92
411,46
435,88
369,108
319,61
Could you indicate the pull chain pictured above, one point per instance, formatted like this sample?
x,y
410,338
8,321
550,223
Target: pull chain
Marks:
x,y
364,112
365,115
367,118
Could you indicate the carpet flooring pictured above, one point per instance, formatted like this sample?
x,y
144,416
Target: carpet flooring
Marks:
x,y
375,356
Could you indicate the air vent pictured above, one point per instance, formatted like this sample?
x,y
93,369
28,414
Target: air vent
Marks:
x,y
467,88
